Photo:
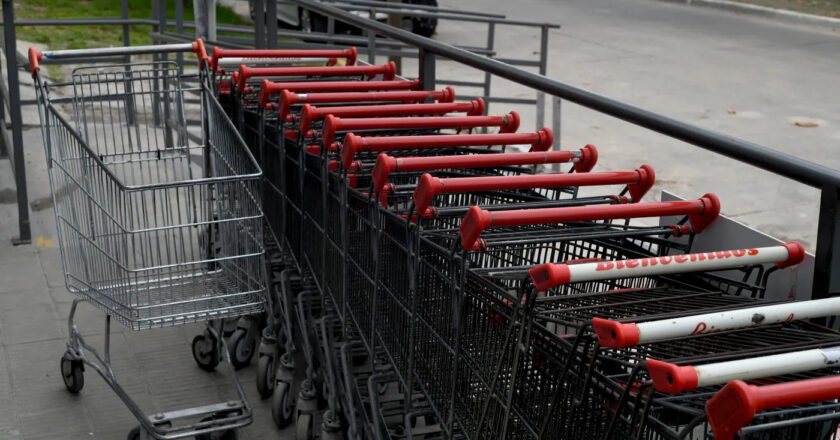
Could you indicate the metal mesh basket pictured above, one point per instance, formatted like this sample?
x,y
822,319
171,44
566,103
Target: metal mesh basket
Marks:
x,y
154,230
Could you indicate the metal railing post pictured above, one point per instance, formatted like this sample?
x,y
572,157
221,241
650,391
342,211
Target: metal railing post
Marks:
x,y
427,70
18,162
543,70
491,43
179,29
556,112
259,24
271,23
827,264
371,40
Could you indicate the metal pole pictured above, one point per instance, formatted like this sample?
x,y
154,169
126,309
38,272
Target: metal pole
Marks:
x,y
271,23
491,42
427,70
18,163
371,40
827,264
396,21
543,69
179,29
259,24
556,103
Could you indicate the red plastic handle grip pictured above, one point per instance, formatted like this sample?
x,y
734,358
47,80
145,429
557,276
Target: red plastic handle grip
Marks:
x,y
737,403
639,182
201,52
34,60
269,87
218,53
388,71
310,113
539,141
509,123
700,213
385,164
288,98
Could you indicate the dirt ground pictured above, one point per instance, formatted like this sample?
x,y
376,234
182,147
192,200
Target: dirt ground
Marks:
x,y
829,8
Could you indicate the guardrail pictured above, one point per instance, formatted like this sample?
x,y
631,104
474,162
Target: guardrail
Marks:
x,y
827,266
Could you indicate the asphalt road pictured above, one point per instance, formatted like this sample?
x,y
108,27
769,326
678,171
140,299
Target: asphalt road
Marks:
x,y
694,64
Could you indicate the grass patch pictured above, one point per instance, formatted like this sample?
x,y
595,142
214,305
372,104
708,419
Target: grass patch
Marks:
x,y
81,37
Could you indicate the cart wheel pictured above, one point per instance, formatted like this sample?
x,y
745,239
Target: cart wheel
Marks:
x,y
304,427
73,373
134,434
331,435
281,410
205,351
265,376
241,348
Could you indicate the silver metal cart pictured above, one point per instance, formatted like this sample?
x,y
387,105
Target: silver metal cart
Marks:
x,y
157,226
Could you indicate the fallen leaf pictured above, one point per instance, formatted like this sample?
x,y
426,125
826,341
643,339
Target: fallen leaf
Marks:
x,y
806,124
586,83
731,111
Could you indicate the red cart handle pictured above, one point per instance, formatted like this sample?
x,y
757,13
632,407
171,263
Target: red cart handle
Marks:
x,y
269,87
311,113
201,52
700,213
539,141
388,71
674,379
509,123
584,159
551,275
735,405
638,182
35,57
218,53
288,99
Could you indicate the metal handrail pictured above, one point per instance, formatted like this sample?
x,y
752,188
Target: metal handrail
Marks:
x,y
784,164
417,7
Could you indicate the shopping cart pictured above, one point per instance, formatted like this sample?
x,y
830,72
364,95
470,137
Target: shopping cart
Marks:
x,y
801,408
154,230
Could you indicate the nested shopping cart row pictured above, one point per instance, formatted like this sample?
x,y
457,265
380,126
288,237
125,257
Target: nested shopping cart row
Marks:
x,y
418,233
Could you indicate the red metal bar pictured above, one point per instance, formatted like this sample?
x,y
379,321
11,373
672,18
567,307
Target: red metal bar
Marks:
x,y
269,87
539,141
700,213
584,159
388,71
218,53
310,113
508,123
639,182
287,98
737,403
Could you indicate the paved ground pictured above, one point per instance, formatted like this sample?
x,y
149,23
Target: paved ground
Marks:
x,y
693,64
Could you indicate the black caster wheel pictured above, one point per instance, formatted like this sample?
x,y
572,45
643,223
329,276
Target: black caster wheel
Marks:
x,y
73,373
134,434
241,348
282,410
265,376
303,430
205,350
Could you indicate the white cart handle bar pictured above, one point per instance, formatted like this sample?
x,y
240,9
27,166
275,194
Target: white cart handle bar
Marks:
x,y
615,334
551,275
674,379
35,55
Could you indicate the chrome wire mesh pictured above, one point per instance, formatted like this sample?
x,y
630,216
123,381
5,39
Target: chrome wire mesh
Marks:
x,y
154,230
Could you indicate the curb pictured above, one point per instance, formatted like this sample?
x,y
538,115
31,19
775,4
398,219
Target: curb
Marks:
x,y
765,12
